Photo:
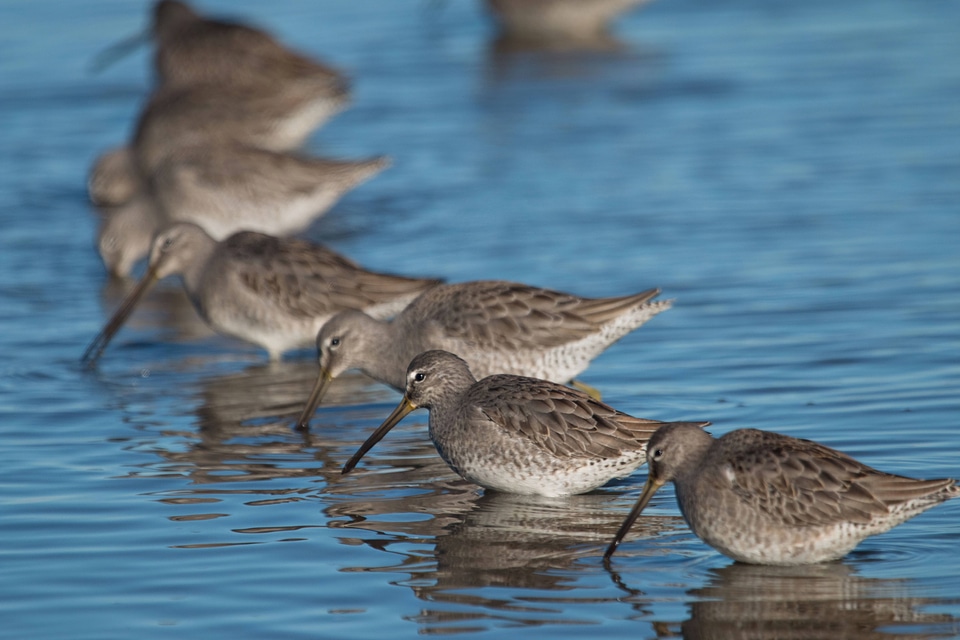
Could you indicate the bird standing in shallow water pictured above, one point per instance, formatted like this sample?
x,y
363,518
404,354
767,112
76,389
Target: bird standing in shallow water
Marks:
x,y
496,326
273,292
226,189
766,498
517,434
221,82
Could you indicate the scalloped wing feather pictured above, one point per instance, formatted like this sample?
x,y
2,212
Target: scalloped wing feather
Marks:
x,y
517,316
563,421
803,483
309,280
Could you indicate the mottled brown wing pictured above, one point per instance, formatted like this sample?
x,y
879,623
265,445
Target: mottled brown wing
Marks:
x,y
803,483
517,316
309,280
563,421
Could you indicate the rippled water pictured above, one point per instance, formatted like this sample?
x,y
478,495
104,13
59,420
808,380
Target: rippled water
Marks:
x,y
788,172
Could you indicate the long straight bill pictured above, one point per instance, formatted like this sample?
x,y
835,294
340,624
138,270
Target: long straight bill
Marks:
x,y
398,414
103,338
648,490
319,389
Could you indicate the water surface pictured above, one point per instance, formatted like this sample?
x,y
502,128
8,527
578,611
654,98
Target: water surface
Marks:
x,y
789,173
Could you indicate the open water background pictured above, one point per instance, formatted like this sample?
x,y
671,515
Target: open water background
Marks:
x,y
788,172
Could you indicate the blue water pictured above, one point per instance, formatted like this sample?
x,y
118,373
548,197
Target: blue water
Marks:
x,y
788,172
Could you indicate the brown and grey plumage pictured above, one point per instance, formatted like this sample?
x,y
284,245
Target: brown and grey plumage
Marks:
x,y
225,189
518,434
272,292
231,187
496,326
193,49
766,498
196,52
277,119
556,19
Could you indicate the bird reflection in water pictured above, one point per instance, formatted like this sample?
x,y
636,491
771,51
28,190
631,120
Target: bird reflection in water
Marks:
x,y
243,452
243,421
529,547
828,600
511,61
818,601
541,39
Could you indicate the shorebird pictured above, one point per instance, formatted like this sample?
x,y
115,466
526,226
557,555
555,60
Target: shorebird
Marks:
x,y
191,49
272,292
496,326
229,188
518,434
276,119
225,189
766,498
223,82
557,19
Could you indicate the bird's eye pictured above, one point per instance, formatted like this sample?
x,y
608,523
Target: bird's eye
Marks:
x,y
334,343
418,376
658,454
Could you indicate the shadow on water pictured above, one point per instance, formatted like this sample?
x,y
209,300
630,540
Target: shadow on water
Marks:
x,y
475,559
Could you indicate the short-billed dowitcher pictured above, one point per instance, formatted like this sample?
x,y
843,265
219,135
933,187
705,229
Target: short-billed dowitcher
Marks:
x,y
766,498
496,326
192,49
272,292
226,189
518,434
